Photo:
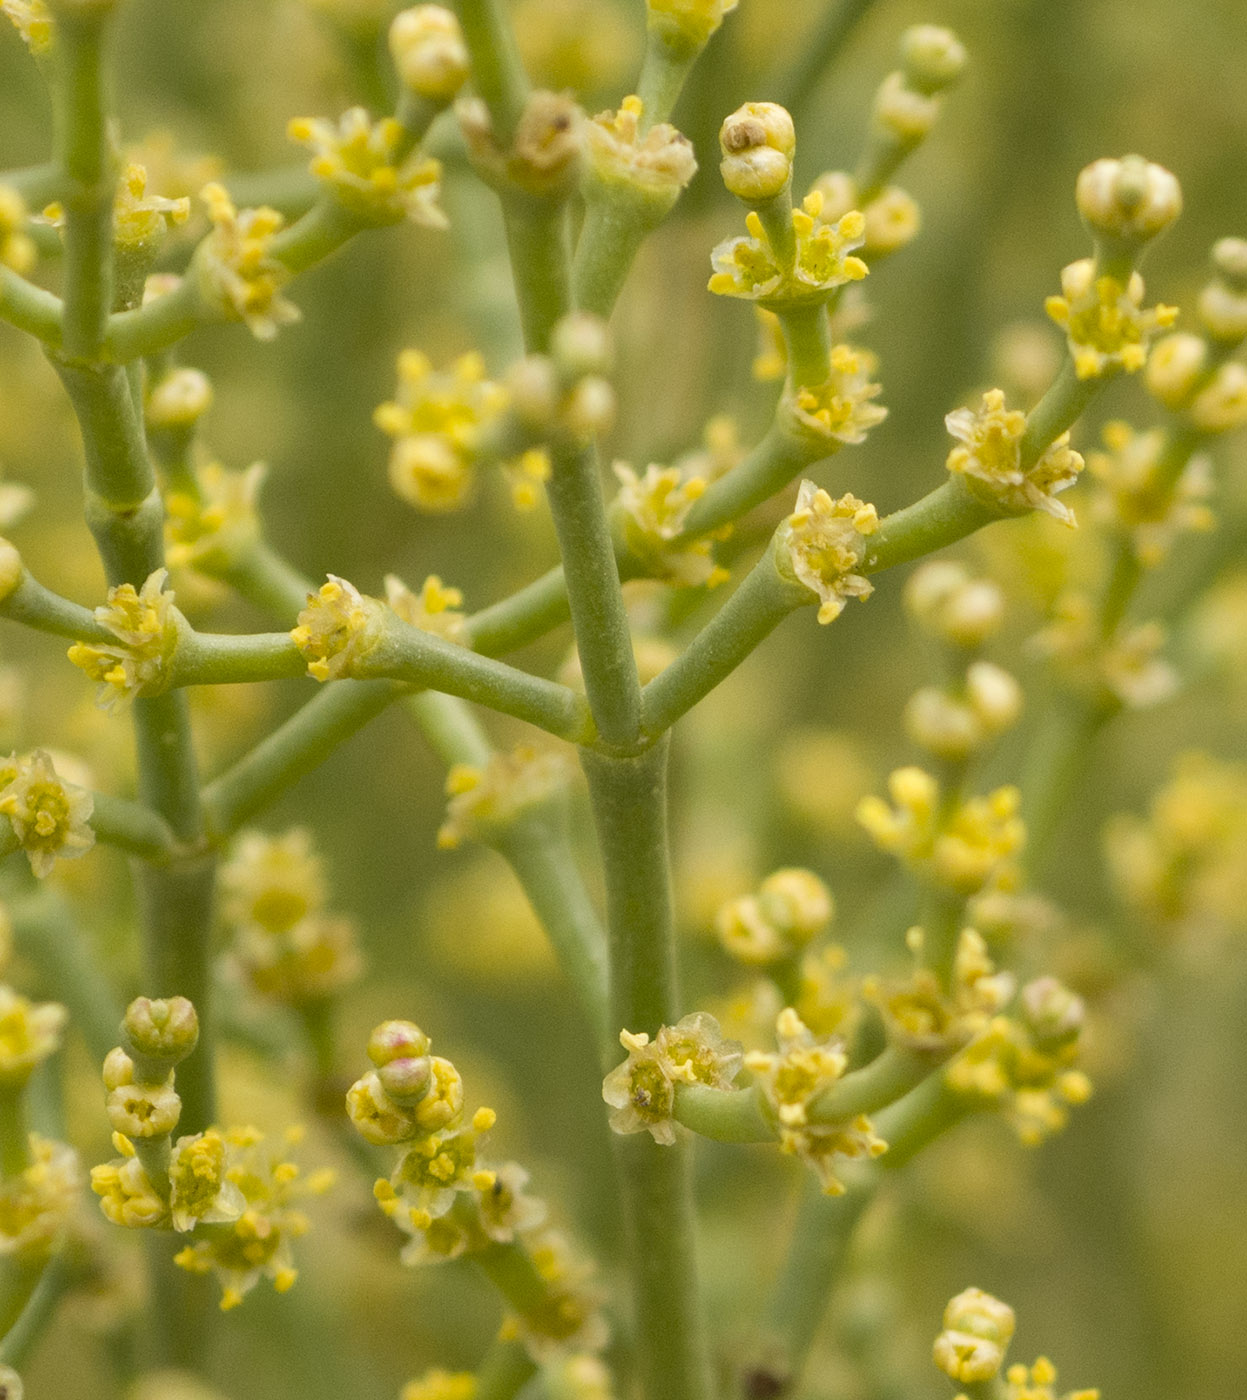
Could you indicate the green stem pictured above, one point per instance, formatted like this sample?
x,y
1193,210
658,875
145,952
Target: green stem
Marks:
x,y
748,617
940,518
315,235
819,51
664,71
132,827
536,609
612,232
155,326
33,605
14,1133
506,1369
264,578
776,460
497,72
537,239
292,750
1061,406
18,1339
204,658
723,1115
807,333
629,802
450,728
1056,764
887,1078
30,308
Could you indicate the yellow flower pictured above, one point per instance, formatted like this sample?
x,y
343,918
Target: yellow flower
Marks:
x,y
29,1033
338,627
641,1091
748,267
359,160
653,509
484,803
33,21
990,460
17,248
1038,1382
238,276
216,530
1127,669
145,623
200,1188
1104,320
822,544
840,407
505,1210
50,817
655,165
273,882
315,959
790,908
140,220
434,609
36,1203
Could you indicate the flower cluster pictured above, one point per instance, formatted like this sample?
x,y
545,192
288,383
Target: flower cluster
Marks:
x,y
822,545
37,1202
444,1196
436,420
214,529
29,1033
146,626
1023,1066
840,408
434,609
790,908
790,1080
338,627
238,276
989,460
964,849
485,802
751,268
1104,320
641,1091
650,511
49,816
960,719
363,163
284,942
649,168
1126,669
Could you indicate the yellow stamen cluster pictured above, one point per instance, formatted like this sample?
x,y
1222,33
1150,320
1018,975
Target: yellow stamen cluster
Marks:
x,y
141,220
485,802
652,510
790,1080
337,628
50,817
1104,320
989,460
17,248
33,21
749,267
654,165
145,623
360,161
284,942
238,275
641,1091
1038,1382
822,545
1023,1066
436,420
434,609
790,908
840,408
1183,864
216,529
962,850
37,1203
1137,498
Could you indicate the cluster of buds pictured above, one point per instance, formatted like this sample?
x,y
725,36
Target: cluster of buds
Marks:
x,y
962,849
777,923
641,1091
284,941
484,803
790,1080
147,627
564,397
234,1198
429,53
444,1196
1024,1066
978,703
972,1347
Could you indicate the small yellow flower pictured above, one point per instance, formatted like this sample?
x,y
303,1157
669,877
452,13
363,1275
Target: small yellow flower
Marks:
x,y
505,1210
655,165
748,267
358,159
238,276
33,21
29,1033
434,609
653,509
1104,320
141,220
200,1188
989,460
17,248
273,882
791,907
37,1202
127,1196
337,628
484,803
214,532
840,408
1038,1383
822,545
1127,669
145,623
50,817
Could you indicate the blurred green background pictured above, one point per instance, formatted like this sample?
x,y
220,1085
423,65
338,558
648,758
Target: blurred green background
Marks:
x,y
1121,1242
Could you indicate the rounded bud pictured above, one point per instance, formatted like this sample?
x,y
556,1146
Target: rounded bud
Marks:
x,y
1222,405
429,53
118,1069
533,390
164,1031
143,1110
1223,312
758,142
180,399
902,112
396,1040
406,1080
942,724
980,1315
796,903
1130,199
375,1116
11,568
933,57
967,1359
994,695
893,220
1053,1014
10,1384
590,408
945,600
1174,367
1229,261
580,344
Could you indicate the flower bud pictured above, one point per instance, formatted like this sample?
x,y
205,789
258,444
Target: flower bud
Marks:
x,y
1175,366
375,1116
1130,200
1222,406
163,1031
758,142
903,113
11,568
967,1359
944,600
1223,311
580,345
590,408
980,1315
994,694
118,1069
10,1384
933,57
406,1080
429,53
144,1110
533,390
1053,1014
1229,261
396,1040
940,723
179,400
